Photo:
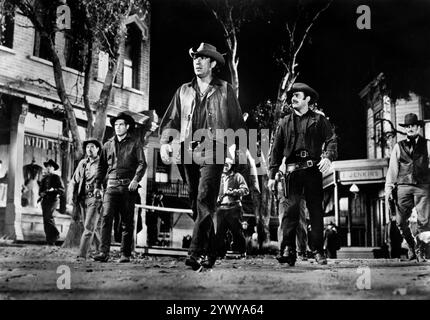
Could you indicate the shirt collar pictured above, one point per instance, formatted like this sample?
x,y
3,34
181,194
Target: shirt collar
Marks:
x,y
214,82
309,112
126,137
92,161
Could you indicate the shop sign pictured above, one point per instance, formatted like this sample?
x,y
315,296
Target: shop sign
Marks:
x,y
353,175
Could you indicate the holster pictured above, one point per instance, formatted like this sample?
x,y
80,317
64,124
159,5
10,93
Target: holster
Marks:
x,y
393,202
286,182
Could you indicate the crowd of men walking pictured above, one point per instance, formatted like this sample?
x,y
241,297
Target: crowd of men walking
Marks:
x,y
304,145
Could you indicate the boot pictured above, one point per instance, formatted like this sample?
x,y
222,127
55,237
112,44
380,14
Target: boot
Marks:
x,y
195,262
320,258
412,256
209,262
289,256
101,257
421,251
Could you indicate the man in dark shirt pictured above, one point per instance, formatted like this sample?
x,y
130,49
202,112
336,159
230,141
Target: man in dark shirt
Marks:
x,y
51,187
307,141
206,105
123,163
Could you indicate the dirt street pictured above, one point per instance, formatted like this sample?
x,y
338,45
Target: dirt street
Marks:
x,y
37,272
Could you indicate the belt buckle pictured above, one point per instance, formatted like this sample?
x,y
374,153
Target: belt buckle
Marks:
x,y
303,154
309,163
291,167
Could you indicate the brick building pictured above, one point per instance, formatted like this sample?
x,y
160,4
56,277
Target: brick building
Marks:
x,y
32,126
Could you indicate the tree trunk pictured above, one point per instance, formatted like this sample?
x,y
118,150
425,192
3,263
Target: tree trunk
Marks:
x,y
234,74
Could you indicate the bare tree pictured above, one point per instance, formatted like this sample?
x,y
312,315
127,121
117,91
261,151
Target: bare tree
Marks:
x,y
102,26
231,14
288,59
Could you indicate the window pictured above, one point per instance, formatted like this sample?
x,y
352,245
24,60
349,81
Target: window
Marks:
x,y
132,57
7,26
74,52
41,46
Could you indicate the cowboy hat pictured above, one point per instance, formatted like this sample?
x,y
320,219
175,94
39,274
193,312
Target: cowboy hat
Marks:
x,y
207,50
93,141
124,116
308,91
411,118
52,163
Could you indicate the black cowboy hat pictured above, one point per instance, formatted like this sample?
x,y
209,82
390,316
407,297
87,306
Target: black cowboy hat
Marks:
x,y
207,50
126,117
308,91
93,141
52,163
411,118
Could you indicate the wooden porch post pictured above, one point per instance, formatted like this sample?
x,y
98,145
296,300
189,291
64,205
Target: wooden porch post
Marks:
x,y
13,228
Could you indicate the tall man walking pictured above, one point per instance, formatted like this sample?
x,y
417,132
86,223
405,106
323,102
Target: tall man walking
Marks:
x,y
83,185
307,140
123,164
203,107
409,170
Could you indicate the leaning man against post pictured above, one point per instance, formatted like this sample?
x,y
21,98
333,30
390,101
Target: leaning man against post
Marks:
x,y
123,164
83,184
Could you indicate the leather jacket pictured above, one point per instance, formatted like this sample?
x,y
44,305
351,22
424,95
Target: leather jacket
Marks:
x,y
222,106
320,140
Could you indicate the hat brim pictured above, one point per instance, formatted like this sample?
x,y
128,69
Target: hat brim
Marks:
x,y
128,119
309,92
208,53
93,141
419,123
51,163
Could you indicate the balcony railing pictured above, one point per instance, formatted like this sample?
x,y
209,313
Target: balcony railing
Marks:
x,y
173,189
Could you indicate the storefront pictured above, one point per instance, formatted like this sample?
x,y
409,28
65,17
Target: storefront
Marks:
x,y
356,190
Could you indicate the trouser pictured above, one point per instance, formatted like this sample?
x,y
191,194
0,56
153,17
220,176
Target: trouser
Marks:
x,y
229,219
48,208
90,211
118,199
307,182
408,197
302,242
203,186
302,229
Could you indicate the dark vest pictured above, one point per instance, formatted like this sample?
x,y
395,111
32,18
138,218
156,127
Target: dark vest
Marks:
x,y
414,168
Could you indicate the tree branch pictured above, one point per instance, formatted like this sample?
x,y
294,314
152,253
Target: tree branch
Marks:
x,y
309,28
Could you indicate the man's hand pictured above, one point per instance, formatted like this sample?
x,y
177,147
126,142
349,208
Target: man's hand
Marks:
x,y
324,164
133,185
165,152
98,193
271,184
